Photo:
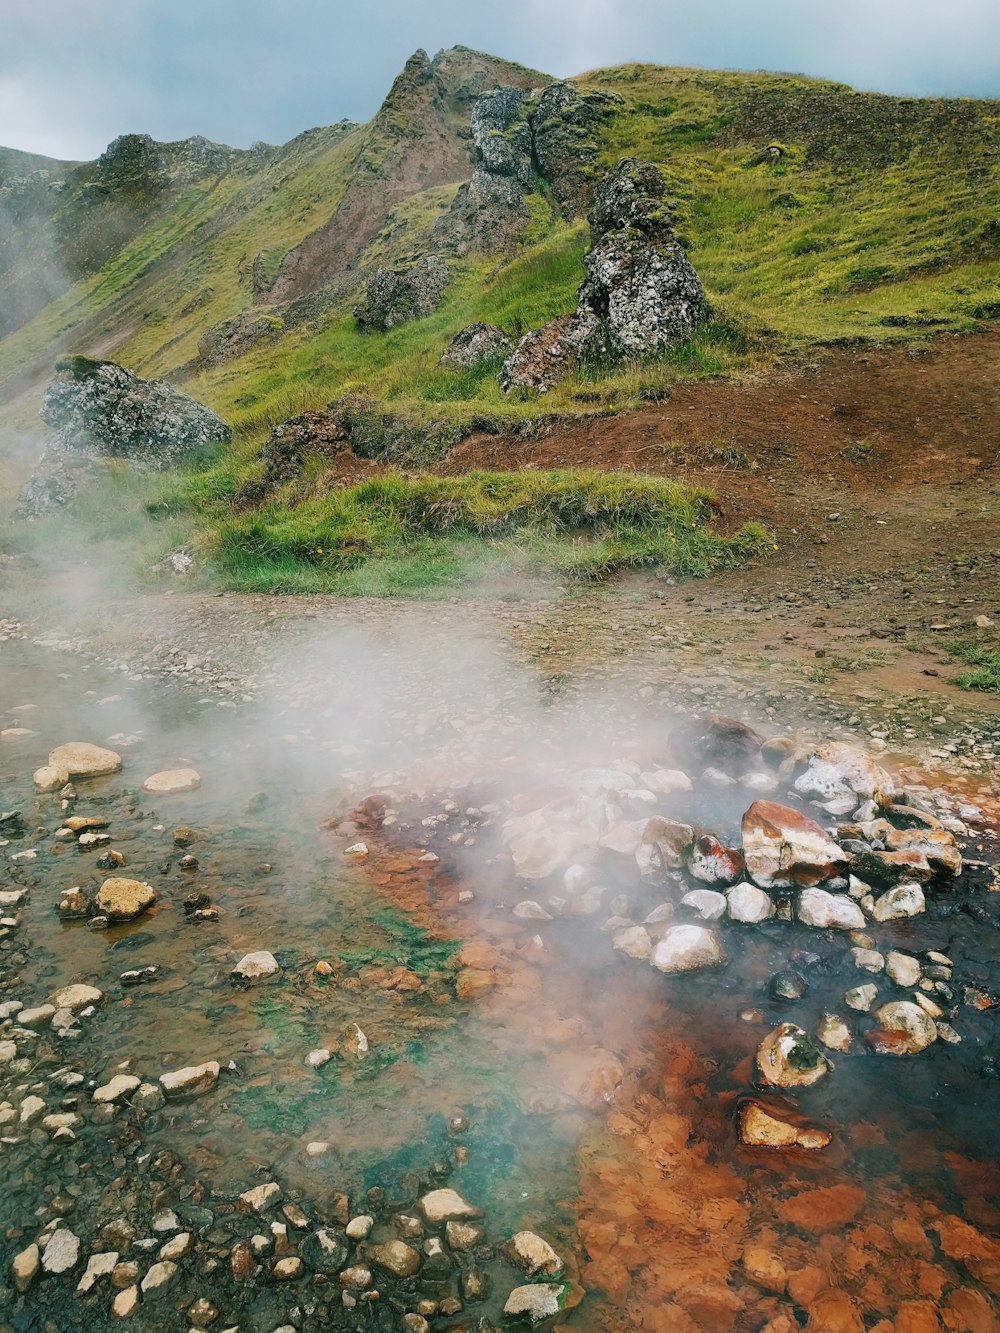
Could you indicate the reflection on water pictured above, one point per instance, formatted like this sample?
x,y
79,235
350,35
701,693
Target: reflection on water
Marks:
x,y
601,1097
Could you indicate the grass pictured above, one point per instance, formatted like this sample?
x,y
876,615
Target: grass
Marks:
x,y
984,659
417,535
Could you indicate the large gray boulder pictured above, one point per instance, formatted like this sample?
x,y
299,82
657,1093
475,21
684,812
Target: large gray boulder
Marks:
x,y
98,410
397,295
475,344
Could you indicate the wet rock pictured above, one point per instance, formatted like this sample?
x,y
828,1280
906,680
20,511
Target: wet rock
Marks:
x,y
633,942
25,1267
663,845
287,1269
836,770
324,1251
77,996
529,910
532,1255
868,960
475,344
708,904
171,781
126,1303
202,1312
787,1058
759,1129
148,1098
787,985
83,760
50,778
190,1081
356,1278
861,998
462,1235
34,1018
883,869
902,969
535,1303
353,1042
116,1088
713,863
937,846
254,967
903,901
124,899
904,1029
159,1275
176,1248
98,1266
260,1198
394,297
784,849
749,904
686,948
446,1205
834,1033
395,1257
241,1261
61,1252
828,911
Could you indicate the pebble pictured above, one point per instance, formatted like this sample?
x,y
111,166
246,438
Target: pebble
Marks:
x,y
61,1252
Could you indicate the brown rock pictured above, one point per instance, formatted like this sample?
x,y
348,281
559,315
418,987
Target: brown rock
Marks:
x,y
917,1317
783,848
241,1261
883,870
764,1269
834,1312
80,759
124,899
823,1210
937,846
729,744
713,863
760,1130
787,1058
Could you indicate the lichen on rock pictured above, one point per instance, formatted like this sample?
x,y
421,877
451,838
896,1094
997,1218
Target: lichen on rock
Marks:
x,y
396,295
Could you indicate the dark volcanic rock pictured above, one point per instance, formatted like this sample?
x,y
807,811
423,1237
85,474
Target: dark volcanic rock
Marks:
x,y
545,356
474,344
232,337
395,296
286,449
561,126
99,410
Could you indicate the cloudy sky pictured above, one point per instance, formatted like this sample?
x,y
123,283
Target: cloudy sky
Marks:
x,y
76,73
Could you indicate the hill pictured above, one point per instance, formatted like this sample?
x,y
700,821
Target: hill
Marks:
x,y
812,213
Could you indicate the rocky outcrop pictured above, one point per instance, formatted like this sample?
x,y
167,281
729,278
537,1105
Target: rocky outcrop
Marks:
x,y
641,294
286,450
488,211
475,344
233,337
98,410
562,126
395,296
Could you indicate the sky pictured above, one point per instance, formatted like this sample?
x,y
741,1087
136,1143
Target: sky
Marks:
x,y
74,74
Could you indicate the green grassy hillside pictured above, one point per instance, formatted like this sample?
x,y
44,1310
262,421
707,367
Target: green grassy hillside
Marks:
x,y
873,218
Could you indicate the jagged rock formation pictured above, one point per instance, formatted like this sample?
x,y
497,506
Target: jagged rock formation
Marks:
x,y
98,410
395,296
417,140
475,344
287,448
562,127
641,294
232,337
490,209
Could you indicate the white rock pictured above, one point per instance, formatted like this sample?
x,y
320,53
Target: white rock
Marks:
x,y
861,998
749,904
834,1033
531,1254
61,1252
98,1266
529,910
902,901
83,760
50,778
829,911
315,1059
159,1275
902,969
686,948
31,1109
33,1018
256,966
260,1198
172,780
446,1205
634,942
709,905
25,1267
166,1220
868,960
190,1081
76,997
116,1088
787,1058
913,1029
838,770
538,1301
176,1247
126,1303
359,1228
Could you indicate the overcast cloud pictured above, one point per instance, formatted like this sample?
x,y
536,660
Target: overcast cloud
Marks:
x,y
74,74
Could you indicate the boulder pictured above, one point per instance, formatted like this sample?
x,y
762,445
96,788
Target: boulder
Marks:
x,y
124,899
80,759
564,128
663,845
311,434
829,911
77,996
686,948
783,848
759,1129
937,846
190,1081
234,337
547,355
535,1303
395,296
902,901
836,770
904,1029
171,781
712,863
749,904
446,1205
532,1255
98,410
395,1257
708,904
254,967
787,1058
474,345
881,869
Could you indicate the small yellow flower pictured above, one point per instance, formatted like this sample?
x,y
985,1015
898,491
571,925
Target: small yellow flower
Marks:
x,y
319,550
